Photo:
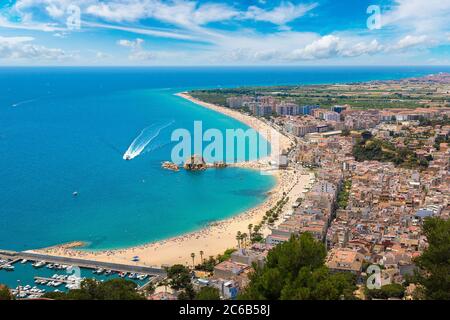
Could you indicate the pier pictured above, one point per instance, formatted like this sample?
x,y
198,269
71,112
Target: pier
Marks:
x,y
66,281
90,264
9,263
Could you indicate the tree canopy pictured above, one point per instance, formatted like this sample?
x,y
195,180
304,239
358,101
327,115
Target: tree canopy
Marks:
x,y
180,279
208,293
5,294
115,289
434,263
295,270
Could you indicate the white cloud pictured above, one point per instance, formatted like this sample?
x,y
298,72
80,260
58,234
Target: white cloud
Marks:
x,y
410,25
55,11
180,12
411,41
189,13
325,47
280,15
333,46
117,11
14,48
137,53
362,48
421,16
101,55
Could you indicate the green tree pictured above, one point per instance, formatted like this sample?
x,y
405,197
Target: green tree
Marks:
x,y
239,238
394,290
90,289
150,288
434,263
193,259
208,293
295,270
5,294
179,277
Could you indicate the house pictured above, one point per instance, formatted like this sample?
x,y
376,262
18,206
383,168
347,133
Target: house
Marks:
x,y
345,260
248,257
229,269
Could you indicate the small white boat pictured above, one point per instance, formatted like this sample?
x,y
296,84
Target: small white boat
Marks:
x,y
22,295
39,264
99,271
8,267
142,276
24,261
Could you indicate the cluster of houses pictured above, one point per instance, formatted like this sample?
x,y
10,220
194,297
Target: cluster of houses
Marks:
x,y
379,223
301,120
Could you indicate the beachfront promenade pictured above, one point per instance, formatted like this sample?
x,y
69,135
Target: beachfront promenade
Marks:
x,y
85,263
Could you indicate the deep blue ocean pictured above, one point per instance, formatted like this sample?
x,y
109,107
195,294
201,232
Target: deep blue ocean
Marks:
x,y
65,130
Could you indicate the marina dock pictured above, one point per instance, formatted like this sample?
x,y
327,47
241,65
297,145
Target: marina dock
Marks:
x,y
90,264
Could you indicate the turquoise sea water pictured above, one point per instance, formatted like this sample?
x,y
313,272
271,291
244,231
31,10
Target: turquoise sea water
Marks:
x,y
26,274
64,130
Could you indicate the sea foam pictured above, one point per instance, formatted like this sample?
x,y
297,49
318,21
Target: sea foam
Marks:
x,y
146,136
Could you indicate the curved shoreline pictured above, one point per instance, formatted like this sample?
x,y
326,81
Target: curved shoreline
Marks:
x,y
212,239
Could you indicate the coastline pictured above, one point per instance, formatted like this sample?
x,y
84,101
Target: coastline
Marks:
x,y
215,238
273,136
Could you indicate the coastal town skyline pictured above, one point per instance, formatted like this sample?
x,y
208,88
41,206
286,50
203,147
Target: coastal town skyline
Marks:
x,y
209,33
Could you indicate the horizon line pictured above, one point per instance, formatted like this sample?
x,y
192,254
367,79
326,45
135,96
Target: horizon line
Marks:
x,y
218,66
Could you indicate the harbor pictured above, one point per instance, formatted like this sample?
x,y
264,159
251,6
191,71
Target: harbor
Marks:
x,y
31,275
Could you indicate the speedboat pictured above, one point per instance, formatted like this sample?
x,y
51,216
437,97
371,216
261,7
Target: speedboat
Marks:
x,y
24,261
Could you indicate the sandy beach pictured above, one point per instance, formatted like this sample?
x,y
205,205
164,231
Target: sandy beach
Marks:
x,y
279,142
217,237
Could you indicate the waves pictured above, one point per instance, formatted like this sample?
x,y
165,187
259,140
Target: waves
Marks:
x,y
146,136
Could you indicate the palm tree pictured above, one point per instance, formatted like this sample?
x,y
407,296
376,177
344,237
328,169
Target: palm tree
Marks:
x,y
244,237
201,256
250,227
238,238
193,259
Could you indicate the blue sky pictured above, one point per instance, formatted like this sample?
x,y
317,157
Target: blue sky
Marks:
x,y
213,32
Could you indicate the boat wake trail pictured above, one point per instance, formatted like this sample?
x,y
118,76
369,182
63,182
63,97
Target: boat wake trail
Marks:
x,y
146,136
23,102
